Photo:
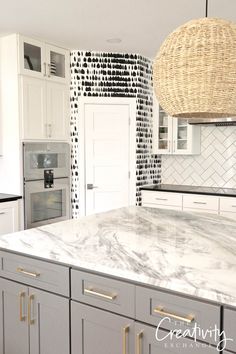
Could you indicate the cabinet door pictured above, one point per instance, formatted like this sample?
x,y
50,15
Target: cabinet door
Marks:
x,y
49,323
58,111
147,340
100,332
58,66
164,132
32,57
33,108
186,138
9,218
14,329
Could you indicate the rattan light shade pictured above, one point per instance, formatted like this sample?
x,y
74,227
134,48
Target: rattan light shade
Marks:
x,y
194,73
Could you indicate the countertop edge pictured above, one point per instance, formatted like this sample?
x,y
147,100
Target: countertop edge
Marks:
x,y
126,280
10,198
151,189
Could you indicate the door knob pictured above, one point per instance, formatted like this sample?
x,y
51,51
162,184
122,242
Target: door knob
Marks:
x,y
91,186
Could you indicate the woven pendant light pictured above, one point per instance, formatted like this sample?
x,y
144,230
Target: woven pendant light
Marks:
x,y
194,73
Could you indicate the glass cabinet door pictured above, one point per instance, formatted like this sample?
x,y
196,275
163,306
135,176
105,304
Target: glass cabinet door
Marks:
x,y
164,131
32,59
57,63
180,136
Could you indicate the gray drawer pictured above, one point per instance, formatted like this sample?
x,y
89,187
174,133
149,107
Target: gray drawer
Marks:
x,y
152,306
230,328
108,294
40,274
149,340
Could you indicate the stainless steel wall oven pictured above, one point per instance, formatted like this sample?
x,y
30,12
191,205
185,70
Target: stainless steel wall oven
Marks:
x,y
46,183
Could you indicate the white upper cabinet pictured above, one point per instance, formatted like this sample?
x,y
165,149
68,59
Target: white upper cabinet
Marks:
x,y
57,110
172,136
42,60
57,67
44,90
44,109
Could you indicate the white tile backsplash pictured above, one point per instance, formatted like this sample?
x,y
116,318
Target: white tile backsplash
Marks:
x,y
215,166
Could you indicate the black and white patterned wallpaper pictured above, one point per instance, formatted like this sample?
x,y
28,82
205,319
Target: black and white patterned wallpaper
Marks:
x,y
115,75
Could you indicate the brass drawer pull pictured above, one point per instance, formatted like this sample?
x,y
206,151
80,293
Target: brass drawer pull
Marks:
x,y
98,293
160,311
124,339
26,272
30,320
139,342
22,297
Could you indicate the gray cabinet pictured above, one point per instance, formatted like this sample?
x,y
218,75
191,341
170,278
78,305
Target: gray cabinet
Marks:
x,y
14,329
229,328
49,323
98,331
146,342
32,321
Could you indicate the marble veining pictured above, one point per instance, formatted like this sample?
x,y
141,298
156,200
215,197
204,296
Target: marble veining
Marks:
x,y
189,253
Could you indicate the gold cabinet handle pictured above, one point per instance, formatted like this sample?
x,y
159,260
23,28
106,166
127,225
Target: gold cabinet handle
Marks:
x,y
26,272
139,342
21,298
160,310
124,339
30,301
100,294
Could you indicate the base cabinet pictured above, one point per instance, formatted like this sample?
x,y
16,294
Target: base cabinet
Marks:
x,y
32,321
148,340
9,217
100,332
14,330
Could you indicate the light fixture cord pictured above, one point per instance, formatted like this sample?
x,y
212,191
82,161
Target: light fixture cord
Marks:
x,y
206,8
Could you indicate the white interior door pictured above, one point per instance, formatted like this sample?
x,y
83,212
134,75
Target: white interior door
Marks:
x,y
107,156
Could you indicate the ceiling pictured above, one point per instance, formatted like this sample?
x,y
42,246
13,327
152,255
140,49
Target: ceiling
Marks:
x,y
87,24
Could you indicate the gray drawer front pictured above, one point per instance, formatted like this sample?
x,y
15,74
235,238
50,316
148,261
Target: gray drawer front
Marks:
x,y
230,328
43,275
148,340
108,294
205,315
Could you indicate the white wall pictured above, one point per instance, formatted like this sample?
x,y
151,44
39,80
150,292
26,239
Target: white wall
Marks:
x,y
10,162
215,166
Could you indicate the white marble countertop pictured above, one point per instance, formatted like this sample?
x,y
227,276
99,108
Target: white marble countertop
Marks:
x,y
189,253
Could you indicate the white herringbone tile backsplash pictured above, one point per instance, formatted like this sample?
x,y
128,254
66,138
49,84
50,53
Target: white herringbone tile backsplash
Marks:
x,y
215,167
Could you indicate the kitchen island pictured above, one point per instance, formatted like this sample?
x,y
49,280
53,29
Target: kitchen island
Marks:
x,y
140,257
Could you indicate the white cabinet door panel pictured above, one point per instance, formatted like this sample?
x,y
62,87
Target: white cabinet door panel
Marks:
x,y
58,111
9,218
33,108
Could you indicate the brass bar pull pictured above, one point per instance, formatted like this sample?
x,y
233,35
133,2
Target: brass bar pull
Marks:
x,y
30,301
139,342
98,293
160,311
124,339
26,272
22,297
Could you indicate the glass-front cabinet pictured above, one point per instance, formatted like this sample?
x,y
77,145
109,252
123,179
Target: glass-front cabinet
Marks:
x,y
43,60
174,136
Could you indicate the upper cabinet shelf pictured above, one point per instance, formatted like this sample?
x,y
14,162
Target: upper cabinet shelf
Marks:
x,y
172,136
42,60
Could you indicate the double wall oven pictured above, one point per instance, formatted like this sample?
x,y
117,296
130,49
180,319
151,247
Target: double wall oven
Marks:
x,y
46,183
